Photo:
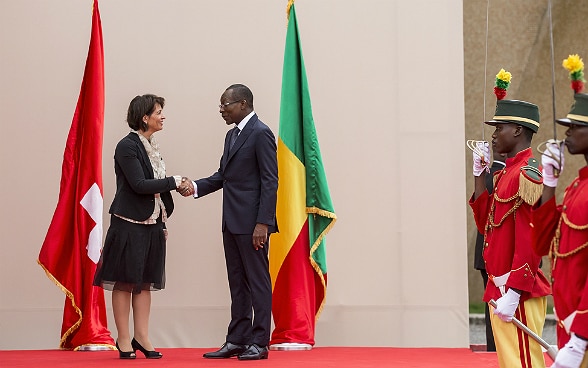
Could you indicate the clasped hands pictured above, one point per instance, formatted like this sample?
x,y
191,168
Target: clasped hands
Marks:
x,y
186,187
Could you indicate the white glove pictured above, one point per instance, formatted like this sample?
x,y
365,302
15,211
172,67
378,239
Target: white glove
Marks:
x,y
506,305
481,158
550,160
572,354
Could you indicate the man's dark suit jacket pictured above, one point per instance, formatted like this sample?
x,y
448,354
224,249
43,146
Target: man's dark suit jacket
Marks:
x,y
248,175
134,193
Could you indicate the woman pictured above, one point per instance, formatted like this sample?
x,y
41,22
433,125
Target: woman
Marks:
x,y
133,258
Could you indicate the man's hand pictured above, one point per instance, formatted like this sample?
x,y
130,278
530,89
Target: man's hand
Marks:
x,y
259,236
186,188
506,305
481,158
572,354
552,161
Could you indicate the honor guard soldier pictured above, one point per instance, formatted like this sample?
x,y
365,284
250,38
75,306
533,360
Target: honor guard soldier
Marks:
x,y
562,232
516,283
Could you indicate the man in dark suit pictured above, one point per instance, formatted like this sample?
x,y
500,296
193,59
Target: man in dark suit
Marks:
x,y
248,175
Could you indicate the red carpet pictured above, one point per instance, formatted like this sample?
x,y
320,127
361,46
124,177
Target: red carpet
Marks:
x,y
335,357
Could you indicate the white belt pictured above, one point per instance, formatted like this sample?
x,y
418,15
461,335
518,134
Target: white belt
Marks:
x,y
566,322
500,282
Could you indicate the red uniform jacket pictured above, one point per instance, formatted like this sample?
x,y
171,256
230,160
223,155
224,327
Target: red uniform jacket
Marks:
x,y
570,254
504,219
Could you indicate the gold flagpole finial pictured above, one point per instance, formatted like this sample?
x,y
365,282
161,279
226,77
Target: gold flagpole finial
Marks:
x,y
290,3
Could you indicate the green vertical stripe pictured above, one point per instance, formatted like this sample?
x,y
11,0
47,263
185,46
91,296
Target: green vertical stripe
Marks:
x,y
294,92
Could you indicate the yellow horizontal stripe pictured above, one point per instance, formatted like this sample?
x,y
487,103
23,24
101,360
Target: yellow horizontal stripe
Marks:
x,y
517,118
578,117
290,208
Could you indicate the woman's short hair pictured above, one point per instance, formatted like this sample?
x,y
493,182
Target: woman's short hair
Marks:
x,y
141,106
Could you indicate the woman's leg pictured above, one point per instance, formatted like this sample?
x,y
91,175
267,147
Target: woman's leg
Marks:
x,y
141,310
121,307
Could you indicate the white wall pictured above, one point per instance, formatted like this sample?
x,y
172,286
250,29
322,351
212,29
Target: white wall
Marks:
x,y
386,82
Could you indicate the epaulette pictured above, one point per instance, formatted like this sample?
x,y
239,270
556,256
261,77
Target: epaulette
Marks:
x,y
530,182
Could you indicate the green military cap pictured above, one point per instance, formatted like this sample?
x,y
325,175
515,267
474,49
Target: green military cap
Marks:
x,y
578,115
517,112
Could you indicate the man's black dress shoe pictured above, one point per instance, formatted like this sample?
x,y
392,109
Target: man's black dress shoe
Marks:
x,y
254,352
226,351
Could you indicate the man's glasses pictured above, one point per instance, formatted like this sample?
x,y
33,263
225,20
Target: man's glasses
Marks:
x,y
222,106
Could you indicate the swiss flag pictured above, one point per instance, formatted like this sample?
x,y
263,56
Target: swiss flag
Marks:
x,y
73,242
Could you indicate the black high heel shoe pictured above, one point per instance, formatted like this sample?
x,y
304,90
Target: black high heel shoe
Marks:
x,y
125,354
149,354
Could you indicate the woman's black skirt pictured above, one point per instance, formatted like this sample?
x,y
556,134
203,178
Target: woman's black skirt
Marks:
x,y
133,257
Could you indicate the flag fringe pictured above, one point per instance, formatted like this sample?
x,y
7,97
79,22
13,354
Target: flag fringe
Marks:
x,y
288,7
317,269
70,296
321,212
290,3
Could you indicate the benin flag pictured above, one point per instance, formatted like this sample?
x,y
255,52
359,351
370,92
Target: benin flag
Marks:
x,y
73,242
304,210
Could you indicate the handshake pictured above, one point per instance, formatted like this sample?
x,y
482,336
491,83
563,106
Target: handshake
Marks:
x,y
186,187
